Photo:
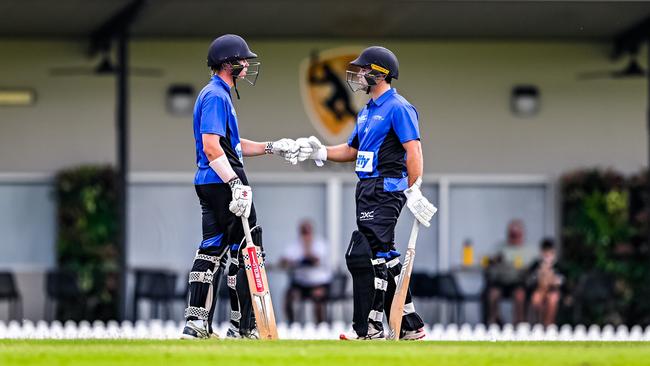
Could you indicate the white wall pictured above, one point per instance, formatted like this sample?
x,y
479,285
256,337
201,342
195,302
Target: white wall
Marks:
x,y
460,88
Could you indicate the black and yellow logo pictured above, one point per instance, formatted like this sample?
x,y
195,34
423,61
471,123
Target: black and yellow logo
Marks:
x,y
329,102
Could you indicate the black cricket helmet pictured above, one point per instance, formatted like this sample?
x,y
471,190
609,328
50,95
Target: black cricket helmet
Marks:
x,y
373,63
232,49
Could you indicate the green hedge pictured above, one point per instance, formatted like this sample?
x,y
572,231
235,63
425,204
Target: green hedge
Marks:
x,y
87,239
604,226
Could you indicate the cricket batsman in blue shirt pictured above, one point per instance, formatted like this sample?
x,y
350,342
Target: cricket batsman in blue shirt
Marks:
x,y
386,146
223,191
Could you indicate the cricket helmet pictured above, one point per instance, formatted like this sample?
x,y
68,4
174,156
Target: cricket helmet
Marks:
x,y
228,48
373,63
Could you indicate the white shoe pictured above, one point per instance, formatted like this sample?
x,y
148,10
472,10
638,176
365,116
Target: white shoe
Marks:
x,y
412,335
194,331
373,333
254,334
234,333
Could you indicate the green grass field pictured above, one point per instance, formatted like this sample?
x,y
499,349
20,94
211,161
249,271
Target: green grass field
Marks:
x,y
331,353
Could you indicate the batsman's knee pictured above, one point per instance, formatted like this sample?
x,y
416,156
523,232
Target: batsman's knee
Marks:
x,y
201,283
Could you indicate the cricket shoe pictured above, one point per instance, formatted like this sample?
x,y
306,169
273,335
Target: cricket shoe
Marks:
x,y
193,331
233,333
373,333
412,335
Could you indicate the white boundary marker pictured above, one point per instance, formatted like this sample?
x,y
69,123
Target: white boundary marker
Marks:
x,y
159,329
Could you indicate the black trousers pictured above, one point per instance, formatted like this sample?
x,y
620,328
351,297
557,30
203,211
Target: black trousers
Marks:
x,y
221,228
377,213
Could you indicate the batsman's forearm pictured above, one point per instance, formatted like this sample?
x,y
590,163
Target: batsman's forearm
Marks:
x,y
252,148
414,161
341,153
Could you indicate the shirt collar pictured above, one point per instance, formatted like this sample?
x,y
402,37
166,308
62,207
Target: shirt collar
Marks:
x,y
382,98
219,81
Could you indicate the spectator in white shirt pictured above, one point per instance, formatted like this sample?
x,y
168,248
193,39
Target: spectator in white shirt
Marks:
x,y
310,273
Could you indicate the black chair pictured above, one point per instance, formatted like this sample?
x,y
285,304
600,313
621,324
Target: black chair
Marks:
x,y
449,290
337,293
158,286
184,292
594,297
9,292
424,287
62,286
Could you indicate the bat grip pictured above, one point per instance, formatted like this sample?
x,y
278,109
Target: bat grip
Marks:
x,y
247,231
414,234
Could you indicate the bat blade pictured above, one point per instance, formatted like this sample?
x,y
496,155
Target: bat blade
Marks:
x,y
401,290
402,287
259,287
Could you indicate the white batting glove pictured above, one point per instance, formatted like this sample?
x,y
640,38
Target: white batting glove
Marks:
x,y
419,205
242,198
311,148
286,148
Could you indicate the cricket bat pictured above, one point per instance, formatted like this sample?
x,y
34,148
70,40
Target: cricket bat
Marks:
x,y
402,286
259,286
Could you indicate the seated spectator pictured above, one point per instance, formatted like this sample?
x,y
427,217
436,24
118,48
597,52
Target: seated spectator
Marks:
x,y
310,272
506,274
545,280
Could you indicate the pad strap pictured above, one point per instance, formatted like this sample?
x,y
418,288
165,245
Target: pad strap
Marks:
x,y
205,257
409,308
204,277
392,263
235,315
232,282
381,284
376,315
199,313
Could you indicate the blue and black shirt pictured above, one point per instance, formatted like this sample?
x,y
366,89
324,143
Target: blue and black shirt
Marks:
x,y
215,114
383,125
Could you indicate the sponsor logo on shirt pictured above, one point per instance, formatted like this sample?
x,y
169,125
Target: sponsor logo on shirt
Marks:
x,y
377,118
367,215
239,152
364,161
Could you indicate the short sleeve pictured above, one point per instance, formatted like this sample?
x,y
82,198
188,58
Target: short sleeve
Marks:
x,y
214,115
353,141
405,123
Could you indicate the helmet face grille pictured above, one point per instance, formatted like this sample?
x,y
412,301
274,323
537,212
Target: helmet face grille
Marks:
x,y
360,78
252,71
356,81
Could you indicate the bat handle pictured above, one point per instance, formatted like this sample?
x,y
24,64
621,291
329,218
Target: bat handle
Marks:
x,y
247,231
414,234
